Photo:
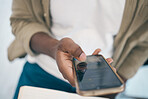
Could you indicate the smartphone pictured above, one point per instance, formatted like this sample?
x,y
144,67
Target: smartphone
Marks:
x,y
95,77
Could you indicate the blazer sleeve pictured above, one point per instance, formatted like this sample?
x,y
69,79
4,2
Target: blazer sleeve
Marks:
x,y
25,24
135,59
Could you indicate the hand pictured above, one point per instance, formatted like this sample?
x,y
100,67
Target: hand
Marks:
x,y
62,51
66,50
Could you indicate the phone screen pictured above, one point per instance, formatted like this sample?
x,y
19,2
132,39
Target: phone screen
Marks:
x,y
95,73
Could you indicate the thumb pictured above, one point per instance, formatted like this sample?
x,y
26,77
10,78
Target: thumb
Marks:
x,y
77,52
68,45
82,57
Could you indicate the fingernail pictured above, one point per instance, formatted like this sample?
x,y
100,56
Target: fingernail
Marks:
x,y
82,57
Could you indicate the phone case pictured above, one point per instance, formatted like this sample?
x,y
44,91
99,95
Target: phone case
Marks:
x,y
99,92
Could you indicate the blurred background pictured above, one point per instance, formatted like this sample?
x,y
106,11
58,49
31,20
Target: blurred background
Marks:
x,y
10,71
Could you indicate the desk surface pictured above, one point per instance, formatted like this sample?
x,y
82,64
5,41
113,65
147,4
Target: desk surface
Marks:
x,y
27,92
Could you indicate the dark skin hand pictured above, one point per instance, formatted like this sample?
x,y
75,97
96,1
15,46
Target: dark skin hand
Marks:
x,y
62,51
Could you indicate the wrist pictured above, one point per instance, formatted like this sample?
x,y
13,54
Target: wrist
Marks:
x,y
52,49
43,43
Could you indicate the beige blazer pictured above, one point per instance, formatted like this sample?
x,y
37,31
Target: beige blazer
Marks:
x,y
130,45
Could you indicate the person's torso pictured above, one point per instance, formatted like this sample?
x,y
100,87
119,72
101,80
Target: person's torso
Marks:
x,y
91,24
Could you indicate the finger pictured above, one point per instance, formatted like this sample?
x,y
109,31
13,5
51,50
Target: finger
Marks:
x,y
65,66
68,45
114,69
96,51
109,60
